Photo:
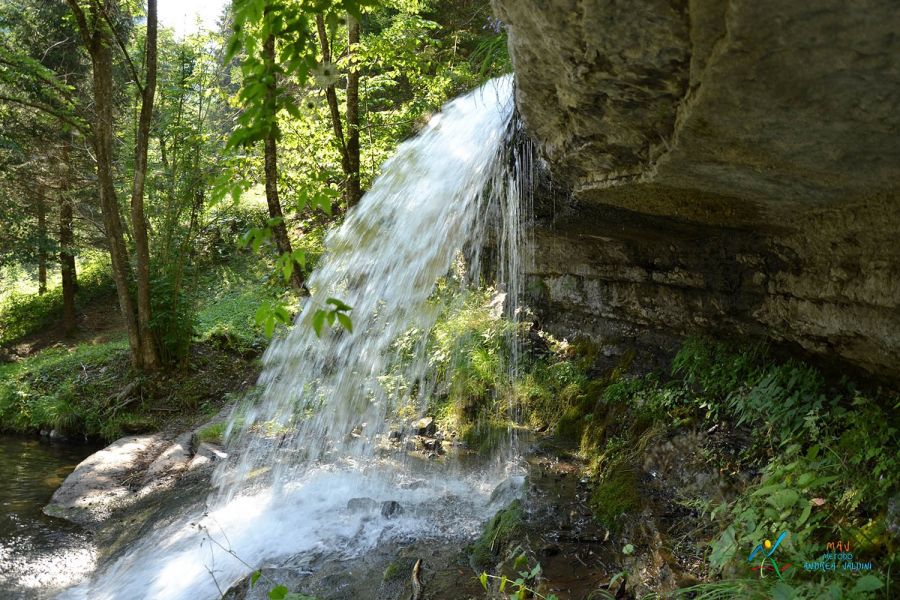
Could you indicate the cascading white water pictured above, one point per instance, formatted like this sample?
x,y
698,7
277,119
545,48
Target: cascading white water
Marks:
x,y
307,446
384,261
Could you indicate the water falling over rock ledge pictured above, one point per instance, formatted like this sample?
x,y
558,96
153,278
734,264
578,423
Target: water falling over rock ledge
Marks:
x,y
304,457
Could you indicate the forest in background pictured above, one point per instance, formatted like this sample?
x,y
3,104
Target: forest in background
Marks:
x,y
139,167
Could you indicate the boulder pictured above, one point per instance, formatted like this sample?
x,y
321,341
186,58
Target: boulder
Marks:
x,y
362,505
105,479
425,426
391,509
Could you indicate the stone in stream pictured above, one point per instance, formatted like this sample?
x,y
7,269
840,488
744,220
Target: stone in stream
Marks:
x,y
508,489
362,505
391,509
425,426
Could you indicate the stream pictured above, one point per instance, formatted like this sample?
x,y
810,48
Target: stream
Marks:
x,y
38,552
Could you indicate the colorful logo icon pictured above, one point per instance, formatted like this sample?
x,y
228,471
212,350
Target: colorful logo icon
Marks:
x,y
767,549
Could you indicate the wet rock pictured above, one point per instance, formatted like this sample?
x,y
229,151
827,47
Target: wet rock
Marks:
x,y
362,505
508,490
425,426
433,445
211,451
173,459
56,434
391,509
395,435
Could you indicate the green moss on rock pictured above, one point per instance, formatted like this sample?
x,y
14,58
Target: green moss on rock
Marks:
x,y
498,532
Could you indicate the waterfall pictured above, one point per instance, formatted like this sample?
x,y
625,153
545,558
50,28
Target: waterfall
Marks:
x,y
311,442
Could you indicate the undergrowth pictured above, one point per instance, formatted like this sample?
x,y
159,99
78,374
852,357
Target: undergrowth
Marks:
x,y
825,452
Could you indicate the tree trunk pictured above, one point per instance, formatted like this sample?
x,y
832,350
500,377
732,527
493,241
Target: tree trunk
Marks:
x,y
331,96
97,41
67,262
279,230
150,357
42,241
354,193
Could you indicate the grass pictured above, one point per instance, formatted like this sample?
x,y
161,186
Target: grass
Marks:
x,y
24,312
70,390
229,296
75,389
213,433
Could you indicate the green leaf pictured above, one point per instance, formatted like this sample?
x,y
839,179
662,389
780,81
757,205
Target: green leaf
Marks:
x,y
318,320
345,322
279,592
483,579
338,305
782,591
503,582
783,499
255,577
628,549
867,583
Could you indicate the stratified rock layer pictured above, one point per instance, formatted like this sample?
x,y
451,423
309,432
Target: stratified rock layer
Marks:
x,y
733,167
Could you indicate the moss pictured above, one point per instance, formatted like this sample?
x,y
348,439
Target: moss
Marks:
x,y
499,532
393,571
615,495
484,436
570,427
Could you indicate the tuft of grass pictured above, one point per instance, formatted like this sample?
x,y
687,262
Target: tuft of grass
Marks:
x,y
213,433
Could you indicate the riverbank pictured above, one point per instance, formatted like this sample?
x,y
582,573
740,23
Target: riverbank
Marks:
x,y
84,386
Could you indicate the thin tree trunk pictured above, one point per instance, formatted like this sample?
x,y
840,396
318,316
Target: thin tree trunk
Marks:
x,y
353,186
279,230
42,241
331,97
67,262
66,243
150,357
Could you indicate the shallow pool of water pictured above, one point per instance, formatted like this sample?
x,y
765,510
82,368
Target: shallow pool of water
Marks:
x,y
38,554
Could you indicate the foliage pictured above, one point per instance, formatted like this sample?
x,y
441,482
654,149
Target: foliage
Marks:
x,y
480,391
24,314
59,389
520,586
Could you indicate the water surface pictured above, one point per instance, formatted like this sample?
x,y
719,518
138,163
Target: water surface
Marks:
x,y
38,554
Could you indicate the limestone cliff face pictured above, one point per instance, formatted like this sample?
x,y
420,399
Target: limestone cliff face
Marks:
x,y
733,166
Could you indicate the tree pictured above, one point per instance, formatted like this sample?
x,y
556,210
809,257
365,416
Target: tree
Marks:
x,y
40,72
97,29
348,148
279,229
